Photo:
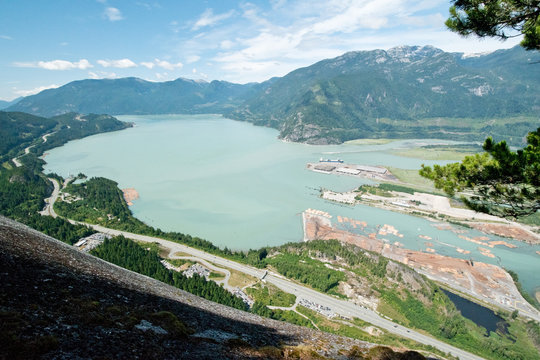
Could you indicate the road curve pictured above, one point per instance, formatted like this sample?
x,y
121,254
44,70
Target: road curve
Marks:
x,y
49,202
338,306
210,266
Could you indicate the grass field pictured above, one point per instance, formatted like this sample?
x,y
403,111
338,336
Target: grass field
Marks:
x,y
439,153
413,178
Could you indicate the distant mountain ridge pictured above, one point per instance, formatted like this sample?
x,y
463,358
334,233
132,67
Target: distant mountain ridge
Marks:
x,y
403,92
135,96
4,104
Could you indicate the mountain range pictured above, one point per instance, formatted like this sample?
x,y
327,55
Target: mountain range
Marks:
x,y
404,92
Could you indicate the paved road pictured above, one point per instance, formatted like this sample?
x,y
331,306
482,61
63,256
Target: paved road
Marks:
x,y
338,306
49,202
210,266
27,150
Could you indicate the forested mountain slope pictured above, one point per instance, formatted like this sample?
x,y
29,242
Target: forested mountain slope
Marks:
x,y
135,96
407,91
404,92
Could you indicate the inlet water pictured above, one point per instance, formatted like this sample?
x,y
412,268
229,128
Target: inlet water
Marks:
x,y
237,185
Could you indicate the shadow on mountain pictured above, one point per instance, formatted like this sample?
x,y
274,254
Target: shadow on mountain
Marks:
x,y
57,302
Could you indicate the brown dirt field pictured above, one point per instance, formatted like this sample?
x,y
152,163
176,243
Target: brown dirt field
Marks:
x,y
507,230
486,280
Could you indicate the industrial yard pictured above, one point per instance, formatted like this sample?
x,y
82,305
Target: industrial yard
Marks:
x,y
363,171
488,282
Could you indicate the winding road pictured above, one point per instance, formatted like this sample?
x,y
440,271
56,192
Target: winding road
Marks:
x,y
27,150
338,306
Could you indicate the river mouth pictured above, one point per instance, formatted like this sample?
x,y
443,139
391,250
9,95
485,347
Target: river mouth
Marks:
x,y
478,314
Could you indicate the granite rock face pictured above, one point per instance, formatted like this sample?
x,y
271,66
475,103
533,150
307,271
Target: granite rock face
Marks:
x,y
59,303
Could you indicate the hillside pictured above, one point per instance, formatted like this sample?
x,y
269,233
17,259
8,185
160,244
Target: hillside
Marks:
x,y
4,104
58,302
135,96
405,92
20,130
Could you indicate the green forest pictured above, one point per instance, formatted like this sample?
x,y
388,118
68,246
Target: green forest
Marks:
x,y
128,254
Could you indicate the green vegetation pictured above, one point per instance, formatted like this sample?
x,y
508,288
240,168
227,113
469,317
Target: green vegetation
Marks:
x,y
425,308
101,203
267,294
308,271
411,300
19,130
530,299
21,197
136,96
533,219
373,190
439,152
413,179
382,99
503,182
385,189
130,255
23,189
442,320
281,315
358,329
500,19
323,265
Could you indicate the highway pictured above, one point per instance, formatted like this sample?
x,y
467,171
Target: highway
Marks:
x,y
49,202
338,306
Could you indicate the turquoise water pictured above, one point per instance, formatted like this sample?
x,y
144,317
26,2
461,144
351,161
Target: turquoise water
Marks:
x,y
238,186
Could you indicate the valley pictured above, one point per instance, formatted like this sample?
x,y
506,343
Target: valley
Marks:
x,y
309,293
283,179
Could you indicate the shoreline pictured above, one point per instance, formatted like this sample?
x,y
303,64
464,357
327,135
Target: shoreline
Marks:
x,y
438,207
130,195
485,281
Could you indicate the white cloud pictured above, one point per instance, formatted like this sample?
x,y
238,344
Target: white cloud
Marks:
x,y
162,64
226,44
35,90
209,19
112,14
148,65
6,37
167,65
192,58
102,75
194,70
162,76
120,63
56,64
295,34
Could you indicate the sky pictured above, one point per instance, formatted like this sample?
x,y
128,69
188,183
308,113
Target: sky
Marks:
x,y
46,44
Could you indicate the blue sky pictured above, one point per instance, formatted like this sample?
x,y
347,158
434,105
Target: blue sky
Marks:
x,y
46,44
